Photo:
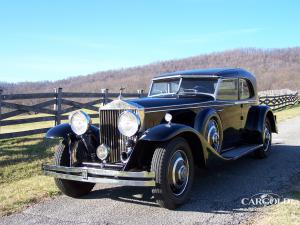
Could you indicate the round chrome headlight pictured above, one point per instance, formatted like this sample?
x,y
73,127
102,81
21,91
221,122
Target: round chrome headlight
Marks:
x,y
129,123
80,122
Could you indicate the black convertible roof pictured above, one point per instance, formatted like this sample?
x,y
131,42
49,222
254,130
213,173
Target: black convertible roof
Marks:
x,y
218,72
211,71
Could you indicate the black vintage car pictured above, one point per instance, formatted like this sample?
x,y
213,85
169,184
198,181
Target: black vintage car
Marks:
x,y
190,118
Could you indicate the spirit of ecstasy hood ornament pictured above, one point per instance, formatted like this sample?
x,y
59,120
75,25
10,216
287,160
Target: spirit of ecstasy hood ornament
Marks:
x,y
121,91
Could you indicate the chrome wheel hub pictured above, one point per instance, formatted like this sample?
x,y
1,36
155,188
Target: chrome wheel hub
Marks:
x,y
178,172
182,173
213,135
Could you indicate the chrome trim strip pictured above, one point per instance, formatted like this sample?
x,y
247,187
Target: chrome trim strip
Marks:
x,y
186,76
217,88
193,107
196,105
203,103
150,183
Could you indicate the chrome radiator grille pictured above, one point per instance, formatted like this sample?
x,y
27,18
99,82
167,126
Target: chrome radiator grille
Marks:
x,y
109,133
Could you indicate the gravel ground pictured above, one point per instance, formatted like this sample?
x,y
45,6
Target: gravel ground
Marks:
x,y
216,197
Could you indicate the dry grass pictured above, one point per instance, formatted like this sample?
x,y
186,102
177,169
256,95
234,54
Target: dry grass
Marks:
x,y
21,180
288,113
19,194
285,213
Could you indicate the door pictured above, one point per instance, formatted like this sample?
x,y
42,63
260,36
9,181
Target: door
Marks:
x,y
247,99
230,113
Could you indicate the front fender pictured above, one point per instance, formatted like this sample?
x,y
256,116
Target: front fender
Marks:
x,y
165,132
202,118
203,153
64,129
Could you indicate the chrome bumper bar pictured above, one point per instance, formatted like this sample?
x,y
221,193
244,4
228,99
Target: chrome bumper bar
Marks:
x,y
94,175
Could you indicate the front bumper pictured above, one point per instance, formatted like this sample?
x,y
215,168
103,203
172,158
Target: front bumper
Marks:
x,y
94,175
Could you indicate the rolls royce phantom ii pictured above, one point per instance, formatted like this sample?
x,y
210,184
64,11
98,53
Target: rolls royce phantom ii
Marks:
x,y
189,118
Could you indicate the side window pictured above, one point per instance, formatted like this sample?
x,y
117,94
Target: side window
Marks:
x,y
244,89
228,90
174,86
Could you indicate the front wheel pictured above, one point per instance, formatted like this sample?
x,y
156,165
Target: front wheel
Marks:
x,y
68,187
173,166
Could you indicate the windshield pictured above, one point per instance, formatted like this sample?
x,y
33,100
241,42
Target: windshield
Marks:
x,y
164,87
187,86
198,86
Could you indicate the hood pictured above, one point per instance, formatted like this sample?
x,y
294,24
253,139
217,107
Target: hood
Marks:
x,y
149,103
160,102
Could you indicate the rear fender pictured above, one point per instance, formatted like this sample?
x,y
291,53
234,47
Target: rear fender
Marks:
x,y
256,118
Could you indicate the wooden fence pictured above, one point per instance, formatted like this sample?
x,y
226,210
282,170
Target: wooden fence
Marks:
x,y
55,106
277,102
56,109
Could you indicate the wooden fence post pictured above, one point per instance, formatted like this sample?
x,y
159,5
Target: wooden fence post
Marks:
x,y
140,92
57,106
1,91
105,92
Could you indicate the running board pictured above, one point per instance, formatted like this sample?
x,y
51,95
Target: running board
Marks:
x,y
240,151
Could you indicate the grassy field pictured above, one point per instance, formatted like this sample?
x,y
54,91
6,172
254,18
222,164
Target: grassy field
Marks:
x,y
288,113
21,180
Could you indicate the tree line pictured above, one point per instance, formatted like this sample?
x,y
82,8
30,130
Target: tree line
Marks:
x,y
274,69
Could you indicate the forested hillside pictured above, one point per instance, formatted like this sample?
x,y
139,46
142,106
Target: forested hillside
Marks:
x,y
274,69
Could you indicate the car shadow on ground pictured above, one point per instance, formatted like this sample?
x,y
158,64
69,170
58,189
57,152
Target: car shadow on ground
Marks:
x,y
220,189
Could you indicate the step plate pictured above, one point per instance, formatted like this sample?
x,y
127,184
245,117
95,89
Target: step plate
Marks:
x,y
240,151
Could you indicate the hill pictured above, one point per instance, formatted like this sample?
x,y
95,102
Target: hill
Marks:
x,y
274,69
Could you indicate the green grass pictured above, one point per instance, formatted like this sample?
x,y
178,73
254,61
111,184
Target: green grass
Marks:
x,y
21,180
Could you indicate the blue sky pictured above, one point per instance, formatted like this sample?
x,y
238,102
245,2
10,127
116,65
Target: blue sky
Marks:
x,y
56,39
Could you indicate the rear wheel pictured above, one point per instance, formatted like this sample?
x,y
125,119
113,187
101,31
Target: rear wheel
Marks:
x,y
265,150
68,187
213,134
174,172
